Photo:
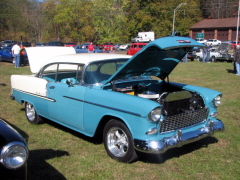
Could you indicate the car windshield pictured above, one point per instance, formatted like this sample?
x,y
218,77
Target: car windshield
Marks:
x,y
98,72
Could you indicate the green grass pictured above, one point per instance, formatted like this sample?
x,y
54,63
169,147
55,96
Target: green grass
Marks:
x,y
59,153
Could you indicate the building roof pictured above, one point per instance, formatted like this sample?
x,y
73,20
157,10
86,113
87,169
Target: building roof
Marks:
x,y
215,23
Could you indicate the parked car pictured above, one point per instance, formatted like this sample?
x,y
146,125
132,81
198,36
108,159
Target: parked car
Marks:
x,y
13,153
127,100
107,46
233,44
82,48
70,44
8,43
6,54
124,47
25,44
56,43
40,44
135,47
201,40
217,54
214,42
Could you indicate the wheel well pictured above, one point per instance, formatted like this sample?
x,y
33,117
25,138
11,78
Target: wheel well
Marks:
x,y
101,125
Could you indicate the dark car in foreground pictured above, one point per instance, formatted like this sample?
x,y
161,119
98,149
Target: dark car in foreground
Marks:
x,y
13,153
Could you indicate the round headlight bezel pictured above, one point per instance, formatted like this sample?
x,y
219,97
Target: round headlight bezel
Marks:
x,y
155,114
14,155
217,101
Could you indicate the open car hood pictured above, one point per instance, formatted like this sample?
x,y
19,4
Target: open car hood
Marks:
x,y
223,48
37,56
158,58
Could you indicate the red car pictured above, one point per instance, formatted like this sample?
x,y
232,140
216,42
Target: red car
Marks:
x,y
135,47
108,45
70,44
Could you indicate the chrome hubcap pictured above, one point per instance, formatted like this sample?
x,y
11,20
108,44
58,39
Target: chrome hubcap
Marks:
x,y
30,112
117,142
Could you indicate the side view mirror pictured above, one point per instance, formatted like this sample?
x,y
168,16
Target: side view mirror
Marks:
x,y
69,82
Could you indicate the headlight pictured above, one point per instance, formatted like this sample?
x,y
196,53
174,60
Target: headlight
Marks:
x,y
155,114
14,155
217,100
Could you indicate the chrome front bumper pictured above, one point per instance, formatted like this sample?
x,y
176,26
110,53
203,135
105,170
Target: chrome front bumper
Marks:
x,y
179,139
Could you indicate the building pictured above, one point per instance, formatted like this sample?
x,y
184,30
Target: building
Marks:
x,y
221,29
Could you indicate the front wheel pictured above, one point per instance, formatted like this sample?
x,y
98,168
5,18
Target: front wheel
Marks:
x,y
31,114
198,58
118,142
213,59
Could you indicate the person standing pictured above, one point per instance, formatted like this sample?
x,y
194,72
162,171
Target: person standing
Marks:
x,y
16,54
91,48
208,52
237,60
22,53
185,59
204,51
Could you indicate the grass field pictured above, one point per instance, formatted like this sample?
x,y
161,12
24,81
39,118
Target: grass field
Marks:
x,y
58,153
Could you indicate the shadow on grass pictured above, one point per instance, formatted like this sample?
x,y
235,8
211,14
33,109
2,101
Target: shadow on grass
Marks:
x,y
39,169
176,152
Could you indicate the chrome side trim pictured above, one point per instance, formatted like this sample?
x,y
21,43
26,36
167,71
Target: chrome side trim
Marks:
x,y
107,107
36,95
179,139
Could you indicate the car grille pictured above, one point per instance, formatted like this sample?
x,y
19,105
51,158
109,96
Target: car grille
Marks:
x,y
183,120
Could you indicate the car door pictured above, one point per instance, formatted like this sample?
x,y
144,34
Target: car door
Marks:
x,y
6,54
66,105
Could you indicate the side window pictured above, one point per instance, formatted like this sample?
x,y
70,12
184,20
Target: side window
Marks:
x,y
50,72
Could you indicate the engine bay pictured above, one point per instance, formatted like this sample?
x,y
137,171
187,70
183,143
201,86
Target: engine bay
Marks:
x,y
172,98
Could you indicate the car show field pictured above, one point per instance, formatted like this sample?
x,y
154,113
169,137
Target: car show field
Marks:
x,y
59,153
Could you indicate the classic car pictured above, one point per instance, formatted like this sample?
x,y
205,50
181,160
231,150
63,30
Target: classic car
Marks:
x,y
127,100
13,153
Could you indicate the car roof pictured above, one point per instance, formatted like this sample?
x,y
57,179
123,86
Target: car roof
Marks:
x,y
41,56
85,58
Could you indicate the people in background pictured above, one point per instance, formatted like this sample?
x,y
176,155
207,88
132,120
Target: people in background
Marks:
x,y
204,51
185,60
111,50
91,48
16,54
237,60
209,48
22,53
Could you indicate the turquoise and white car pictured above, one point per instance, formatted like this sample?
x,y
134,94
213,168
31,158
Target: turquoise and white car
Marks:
x,y
126,100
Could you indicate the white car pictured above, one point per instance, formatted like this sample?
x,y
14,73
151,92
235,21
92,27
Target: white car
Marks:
x,y
201,40
124,47
214,42
213,55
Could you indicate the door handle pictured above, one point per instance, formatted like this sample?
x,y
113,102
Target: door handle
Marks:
x,y
52,87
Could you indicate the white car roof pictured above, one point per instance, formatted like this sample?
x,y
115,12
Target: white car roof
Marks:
x,y
40,56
